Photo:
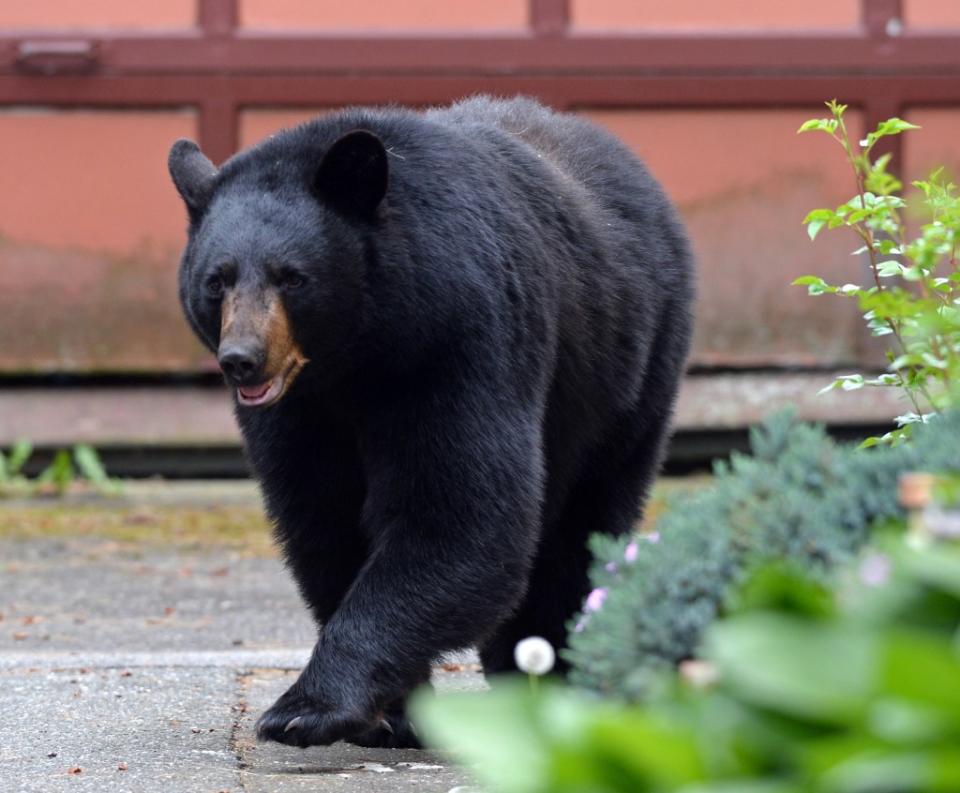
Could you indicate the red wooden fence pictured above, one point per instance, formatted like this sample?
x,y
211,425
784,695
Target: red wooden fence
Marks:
x,y
92,93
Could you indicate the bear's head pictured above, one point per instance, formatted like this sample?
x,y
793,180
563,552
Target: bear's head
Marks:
x,y
272,275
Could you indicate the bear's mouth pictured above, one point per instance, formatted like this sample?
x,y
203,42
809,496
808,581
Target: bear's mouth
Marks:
x,y
273,390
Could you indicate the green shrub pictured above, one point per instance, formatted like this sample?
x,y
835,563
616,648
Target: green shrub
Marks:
x,y
798,496
814,694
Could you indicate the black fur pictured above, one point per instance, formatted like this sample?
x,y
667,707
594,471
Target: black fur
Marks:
x,y
495,346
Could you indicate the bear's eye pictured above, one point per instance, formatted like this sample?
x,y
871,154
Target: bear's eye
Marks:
x,y
215,286
291,280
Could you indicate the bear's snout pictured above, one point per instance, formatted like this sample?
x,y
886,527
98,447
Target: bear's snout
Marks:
x,y
257,353
242,363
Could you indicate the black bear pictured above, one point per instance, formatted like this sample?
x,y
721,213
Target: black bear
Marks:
x,y
454,340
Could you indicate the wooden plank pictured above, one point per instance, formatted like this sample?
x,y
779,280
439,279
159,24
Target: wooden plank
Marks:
x,y
164,415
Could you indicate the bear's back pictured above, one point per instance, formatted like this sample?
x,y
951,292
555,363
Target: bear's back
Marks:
x,y
581,152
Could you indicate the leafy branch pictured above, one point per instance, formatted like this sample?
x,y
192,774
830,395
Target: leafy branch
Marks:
x,y
909,299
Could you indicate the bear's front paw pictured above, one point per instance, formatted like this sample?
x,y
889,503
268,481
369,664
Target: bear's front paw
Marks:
x,y
297,719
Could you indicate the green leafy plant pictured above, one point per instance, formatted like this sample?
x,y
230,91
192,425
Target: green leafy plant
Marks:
x,y
80,466
913,298
11,466
91,468
813,692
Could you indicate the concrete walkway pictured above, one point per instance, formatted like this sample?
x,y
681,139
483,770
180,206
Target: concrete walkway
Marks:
x,y
123,670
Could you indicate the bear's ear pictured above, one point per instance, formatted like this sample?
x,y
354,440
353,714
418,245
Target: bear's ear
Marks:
x,y
352,177
193,174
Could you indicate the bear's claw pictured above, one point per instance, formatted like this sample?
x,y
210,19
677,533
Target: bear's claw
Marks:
x,y
395,731
297,720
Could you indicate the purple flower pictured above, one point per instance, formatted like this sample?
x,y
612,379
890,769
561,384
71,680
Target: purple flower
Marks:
x,y
653,537
630,554
610,567
595,599
875,569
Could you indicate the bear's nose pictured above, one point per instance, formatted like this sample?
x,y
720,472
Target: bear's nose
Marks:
x,y
241,364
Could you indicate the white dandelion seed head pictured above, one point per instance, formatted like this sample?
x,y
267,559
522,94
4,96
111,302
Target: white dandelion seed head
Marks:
x,y
534,655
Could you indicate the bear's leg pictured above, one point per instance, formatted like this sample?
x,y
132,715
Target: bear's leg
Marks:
x,y
557,587
318,522
324,570
452,510
313,486
608,500
559,582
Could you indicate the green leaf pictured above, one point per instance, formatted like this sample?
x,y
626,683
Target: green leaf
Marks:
x,y
904,722
815,285
558,739
874,771
827,125
892,438
933,361
836,108
819,214
894,126
822,673
813,228
888,269
937,567
904,361
816,220
923,668
913,273
786,587
913,418
19,455
851,382
886,247
646,746
59,473
89,464
745,786
497,730
847,382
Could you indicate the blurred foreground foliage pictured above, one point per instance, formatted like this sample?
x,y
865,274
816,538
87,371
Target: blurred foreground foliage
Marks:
x,y
853,688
